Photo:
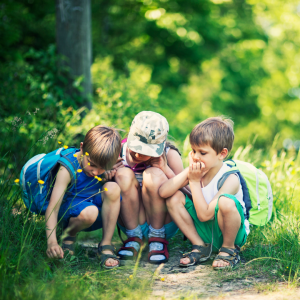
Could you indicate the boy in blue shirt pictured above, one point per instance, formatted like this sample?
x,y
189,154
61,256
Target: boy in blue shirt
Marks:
x,y
215,219
89,204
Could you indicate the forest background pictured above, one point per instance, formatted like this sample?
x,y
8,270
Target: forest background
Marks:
x,y
186,59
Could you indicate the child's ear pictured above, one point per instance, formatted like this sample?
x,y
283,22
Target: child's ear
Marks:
x,y
81,145
224,153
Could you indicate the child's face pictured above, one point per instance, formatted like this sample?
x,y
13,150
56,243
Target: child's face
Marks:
x,y
137,157
90,168
207,155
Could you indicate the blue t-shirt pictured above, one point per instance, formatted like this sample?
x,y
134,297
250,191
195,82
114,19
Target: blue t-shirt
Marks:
x,y
85,188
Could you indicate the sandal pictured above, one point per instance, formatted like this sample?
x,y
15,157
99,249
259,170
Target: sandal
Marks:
x,y
70,247
233,259
104,257
132,249
196,257
155,252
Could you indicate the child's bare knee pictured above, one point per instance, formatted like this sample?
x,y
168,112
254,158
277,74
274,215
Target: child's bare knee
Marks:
x,y
153,178
176,200
111,191
88,215
226,205
125,178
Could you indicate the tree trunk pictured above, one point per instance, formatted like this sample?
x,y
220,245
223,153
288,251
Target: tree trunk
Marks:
x,y
73,39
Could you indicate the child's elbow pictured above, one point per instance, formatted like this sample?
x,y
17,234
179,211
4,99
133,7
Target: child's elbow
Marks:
x,y
162,193
202,218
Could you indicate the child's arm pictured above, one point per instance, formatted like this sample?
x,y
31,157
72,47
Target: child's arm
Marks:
x,y
171,166
206,211
63,178
170,187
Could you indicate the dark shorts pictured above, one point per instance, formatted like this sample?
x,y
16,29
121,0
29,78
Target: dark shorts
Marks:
x,y
204,229
73,209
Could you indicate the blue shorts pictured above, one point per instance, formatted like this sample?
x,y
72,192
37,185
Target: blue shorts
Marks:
x,y
170,228
73,209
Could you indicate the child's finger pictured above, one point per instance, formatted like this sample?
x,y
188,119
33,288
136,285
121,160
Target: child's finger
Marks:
x,y
61,252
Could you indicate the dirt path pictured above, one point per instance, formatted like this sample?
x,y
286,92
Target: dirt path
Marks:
x,y
202,282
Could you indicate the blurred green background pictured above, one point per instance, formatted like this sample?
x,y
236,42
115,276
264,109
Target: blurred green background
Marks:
x,y
187,60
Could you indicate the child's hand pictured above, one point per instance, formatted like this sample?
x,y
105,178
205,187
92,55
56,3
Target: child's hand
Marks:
x,y
119,164
159,162
109,174
54,251
196,172
191,161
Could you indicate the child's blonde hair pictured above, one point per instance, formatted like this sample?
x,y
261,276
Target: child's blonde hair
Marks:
x,y
217,132
103,144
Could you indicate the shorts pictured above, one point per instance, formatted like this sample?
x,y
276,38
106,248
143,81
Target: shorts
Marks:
x,y
204,229
170,228
73,209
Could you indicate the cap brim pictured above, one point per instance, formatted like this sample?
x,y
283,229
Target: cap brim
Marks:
x,y
136,145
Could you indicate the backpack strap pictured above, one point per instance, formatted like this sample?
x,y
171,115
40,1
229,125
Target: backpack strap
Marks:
x,y
68,164
234,170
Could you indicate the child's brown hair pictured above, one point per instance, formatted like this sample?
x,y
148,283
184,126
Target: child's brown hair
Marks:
x,y
103,144
217,132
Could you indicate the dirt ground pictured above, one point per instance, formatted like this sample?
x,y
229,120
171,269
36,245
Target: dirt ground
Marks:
x,y
202,282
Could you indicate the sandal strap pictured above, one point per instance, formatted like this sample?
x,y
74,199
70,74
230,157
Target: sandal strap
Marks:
x,y
193,256
106,247
70,247
156,252
164,252
230,251
134,239
132,249
158,240
200,248
104,257
70,239
232,260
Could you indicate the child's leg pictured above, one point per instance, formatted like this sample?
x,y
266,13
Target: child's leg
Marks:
x,y
110,212
178,212
155,206
132,213
156,210
229,221
84,220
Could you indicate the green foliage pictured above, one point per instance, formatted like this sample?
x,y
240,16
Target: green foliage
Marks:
x,y
35,105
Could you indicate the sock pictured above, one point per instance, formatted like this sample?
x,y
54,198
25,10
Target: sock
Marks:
x,y
156,245
136,232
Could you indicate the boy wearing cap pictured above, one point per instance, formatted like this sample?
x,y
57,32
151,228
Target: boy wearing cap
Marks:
x,y
149,162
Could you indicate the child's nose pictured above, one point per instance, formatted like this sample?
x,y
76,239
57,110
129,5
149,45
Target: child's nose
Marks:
x,y
137,155
197,157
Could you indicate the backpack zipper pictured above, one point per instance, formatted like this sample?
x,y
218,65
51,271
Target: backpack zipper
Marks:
x,y
39,174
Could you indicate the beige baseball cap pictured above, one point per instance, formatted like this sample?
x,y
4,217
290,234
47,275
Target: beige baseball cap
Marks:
x,y
148,134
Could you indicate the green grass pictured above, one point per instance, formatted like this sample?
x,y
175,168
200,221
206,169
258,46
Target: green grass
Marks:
x,y
26,272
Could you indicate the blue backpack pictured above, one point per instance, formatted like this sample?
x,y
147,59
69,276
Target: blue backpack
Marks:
x,y
38,176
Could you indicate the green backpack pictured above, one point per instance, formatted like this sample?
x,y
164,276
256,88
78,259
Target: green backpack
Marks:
x,y
257,191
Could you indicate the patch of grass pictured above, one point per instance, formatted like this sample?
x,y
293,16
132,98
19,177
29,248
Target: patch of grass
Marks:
x,y
266,287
